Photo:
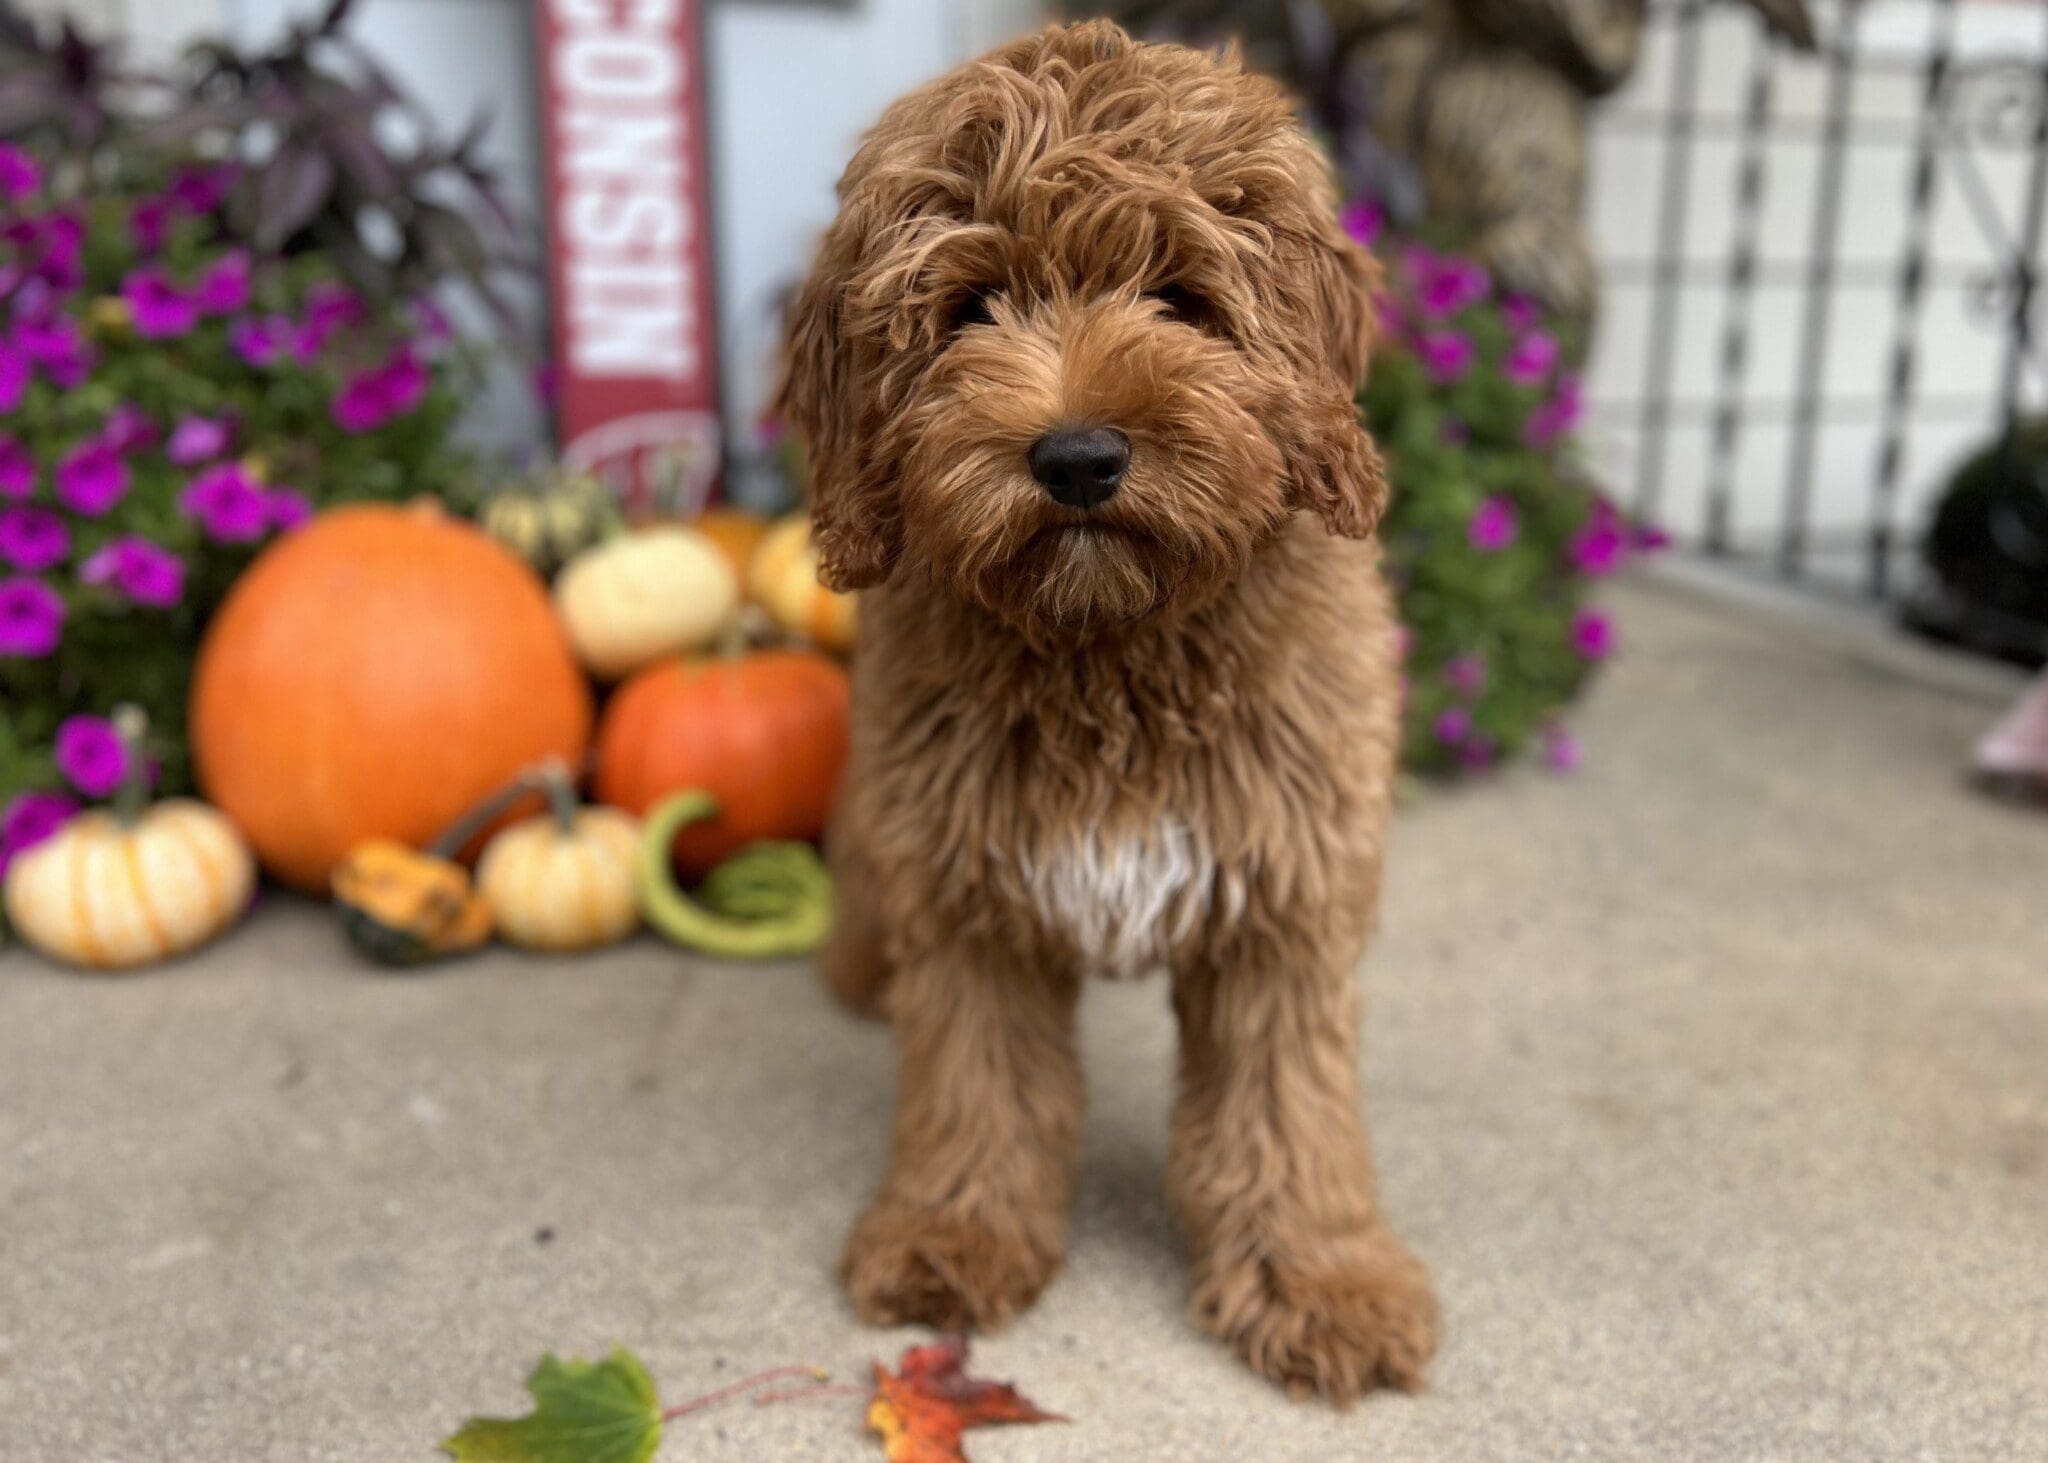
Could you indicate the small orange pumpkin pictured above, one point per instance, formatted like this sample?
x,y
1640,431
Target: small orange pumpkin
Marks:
x,y
764,734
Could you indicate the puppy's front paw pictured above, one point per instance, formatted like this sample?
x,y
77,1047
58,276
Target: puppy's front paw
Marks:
x,y
905,1265
1335,1334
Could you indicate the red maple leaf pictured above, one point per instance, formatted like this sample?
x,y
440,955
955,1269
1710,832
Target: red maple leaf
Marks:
x,y
922,1409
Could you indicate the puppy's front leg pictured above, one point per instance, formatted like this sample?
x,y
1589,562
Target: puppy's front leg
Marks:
x,y
1294,1266
971,1219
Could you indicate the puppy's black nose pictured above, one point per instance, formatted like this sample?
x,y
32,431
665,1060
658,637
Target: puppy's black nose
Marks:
x,y
1081,466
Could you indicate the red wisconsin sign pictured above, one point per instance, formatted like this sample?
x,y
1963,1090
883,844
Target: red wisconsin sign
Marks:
x,y
630,245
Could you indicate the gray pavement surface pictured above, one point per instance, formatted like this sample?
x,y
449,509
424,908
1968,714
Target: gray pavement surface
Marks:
x,y
1713,1082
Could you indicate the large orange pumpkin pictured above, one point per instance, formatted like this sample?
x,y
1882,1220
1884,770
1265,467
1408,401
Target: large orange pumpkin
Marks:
x,y
764,734
373,675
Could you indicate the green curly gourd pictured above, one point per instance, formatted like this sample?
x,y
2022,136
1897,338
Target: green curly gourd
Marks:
x,y
768,900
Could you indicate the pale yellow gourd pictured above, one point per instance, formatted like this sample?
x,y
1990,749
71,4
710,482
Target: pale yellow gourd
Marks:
x,y
783,579
118,889
639,598
563,880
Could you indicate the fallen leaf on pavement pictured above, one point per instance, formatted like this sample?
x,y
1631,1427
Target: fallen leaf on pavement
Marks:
x,y
583,1412
606,1412
923,1408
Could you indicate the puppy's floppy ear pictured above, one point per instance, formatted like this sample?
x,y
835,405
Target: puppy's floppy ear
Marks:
x,y
1345,278
821,397
1335,468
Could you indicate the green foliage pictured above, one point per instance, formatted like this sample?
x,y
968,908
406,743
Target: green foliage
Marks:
x,y
1495,534
583,1412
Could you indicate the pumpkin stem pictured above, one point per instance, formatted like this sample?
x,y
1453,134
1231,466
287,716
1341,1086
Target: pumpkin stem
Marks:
x,y
131,725
749,626
464,829
554,780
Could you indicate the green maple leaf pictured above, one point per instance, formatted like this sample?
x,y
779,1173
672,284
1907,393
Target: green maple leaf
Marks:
x,y
584,1412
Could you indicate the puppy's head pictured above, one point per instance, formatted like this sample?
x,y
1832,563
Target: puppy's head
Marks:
x,y
1083,335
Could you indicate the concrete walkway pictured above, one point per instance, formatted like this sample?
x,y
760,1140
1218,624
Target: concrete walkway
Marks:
x,y
1713,1082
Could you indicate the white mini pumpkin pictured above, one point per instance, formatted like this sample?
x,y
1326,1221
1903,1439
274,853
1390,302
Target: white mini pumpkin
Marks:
x,y
636,599
114,890
563,880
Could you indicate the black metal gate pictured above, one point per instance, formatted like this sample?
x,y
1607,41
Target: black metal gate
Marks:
x,y
1802,359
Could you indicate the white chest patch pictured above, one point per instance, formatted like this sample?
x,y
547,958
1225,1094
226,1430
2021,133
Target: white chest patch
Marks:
x,y
1125,901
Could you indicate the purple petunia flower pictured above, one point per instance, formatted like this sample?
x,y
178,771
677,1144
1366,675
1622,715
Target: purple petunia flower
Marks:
x,y
1599,548
262,339
1592,635
160,309
334,306
1455,432
30,819
1465,674
1650,539
289,509
32,538
144,572
1494,525
128,427
14,374
149,223
1446,355
56,345
1532,359
20,175
371,398
48,260
1453,725
91,478
329,308
202,189
307,343
224,286
198,439
1445,284
31,618
228,503
1521,313
91,754
1476,753
1556,416
61,237
1364,220
17,470
1562,751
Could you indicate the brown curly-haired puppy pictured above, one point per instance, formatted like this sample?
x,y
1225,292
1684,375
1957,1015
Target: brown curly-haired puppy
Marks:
x,y
1075,368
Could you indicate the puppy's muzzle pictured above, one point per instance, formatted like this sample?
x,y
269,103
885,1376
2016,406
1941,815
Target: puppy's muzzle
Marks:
x,y
1080,467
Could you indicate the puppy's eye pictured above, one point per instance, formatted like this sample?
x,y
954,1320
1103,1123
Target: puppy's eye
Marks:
x,y
976,309
1189,308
